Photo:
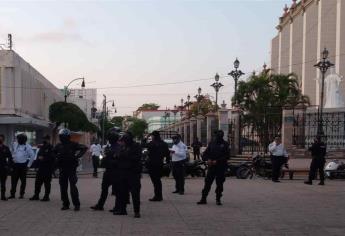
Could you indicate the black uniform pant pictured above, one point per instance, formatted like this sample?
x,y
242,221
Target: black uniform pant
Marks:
x,y
95,164
155,172
3,178
277,163
317,164
196,154
71,177
19,172
43,177
128,183
178,168
107,181
218,173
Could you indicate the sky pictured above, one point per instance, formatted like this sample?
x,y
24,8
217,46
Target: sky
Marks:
x,y
139,52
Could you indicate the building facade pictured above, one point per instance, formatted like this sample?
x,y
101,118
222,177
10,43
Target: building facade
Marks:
x,y
85,99
304,30
25,97
157,119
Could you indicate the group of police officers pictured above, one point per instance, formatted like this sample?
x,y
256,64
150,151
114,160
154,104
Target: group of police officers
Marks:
x,y
122,163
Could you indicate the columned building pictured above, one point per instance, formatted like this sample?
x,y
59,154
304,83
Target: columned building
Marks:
x,y
304,30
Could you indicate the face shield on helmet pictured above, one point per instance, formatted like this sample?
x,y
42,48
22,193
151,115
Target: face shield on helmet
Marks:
x,y
113,136
127,138
64,135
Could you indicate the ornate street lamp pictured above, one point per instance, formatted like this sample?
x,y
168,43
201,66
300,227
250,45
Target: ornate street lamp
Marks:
x,y
175,112
323,66
236,74
188,101
66,87
197,97
181,108
166,116
217,85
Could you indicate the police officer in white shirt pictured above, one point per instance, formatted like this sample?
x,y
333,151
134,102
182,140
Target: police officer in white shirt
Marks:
x,y
23,156
178,158
279,156
96,151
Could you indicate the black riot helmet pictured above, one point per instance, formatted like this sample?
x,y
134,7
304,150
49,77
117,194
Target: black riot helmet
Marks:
x,y
127,138
113,136
64,135
219,135
22,138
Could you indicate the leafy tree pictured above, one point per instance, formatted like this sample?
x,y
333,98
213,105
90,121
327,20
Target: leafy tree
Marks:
x,y
204,104
263,97
71,115
149,106
117,121
137,127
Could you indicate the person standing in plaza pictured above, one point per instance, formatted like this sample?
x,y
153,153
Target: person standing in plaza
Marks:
x,y
108,162
45,164
68,154
318,153
279,157
178,160
96,151
196,145
216,155
128,175
23,157
5,165
157,151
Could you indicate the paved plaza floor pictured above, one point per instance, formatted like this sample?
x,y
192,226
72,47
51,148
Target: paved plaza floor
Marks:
x,y
251,207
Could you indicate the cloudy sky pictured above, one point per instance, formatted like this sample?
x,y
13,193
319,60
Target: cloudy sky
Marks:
x,y
142,51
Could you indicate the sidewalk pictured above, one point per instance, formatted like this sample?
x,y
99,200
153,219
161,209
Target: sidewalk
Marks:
x,y
251,207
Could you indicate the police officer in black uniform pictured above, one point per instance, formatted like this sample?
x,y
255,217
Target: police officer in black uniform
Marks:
x,y
216,154
108,162
128,174
5,165
68,154
318,153
157,150
45,163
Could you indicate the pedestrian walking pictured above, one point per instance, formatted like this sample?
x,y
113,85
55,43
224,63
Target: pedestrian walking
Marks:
x,y
178,160
96,151
5,165
279,157
128,175
108,162
45,164
196,145
157,151
216,155
23,157
318,153
68,154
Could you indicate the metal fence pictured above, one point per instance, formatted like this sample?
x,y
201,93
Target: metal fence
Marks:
x,y
306,124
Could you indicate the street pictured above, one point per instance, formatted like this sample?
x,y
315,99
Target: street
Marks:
x,y
251,207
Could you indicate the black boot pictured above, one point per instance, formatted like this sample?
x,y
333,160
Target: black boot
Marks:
x,y
34,198
3,198
45,199
218,201
202,201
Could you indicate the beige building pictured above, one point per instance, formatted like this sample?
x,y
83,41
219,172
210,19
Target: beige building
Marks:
x,y
25,97
304,30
